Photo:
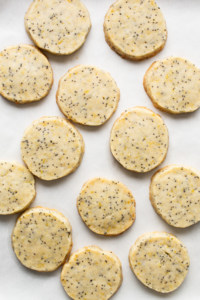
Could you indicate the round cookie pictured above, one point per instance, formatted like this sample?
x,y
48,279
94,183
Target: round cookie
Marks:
x,y
58,26
160,261
135,29
17,188
175,195
87,95
107,207
139,139
52,148
173,85
92,273
42,239
25,74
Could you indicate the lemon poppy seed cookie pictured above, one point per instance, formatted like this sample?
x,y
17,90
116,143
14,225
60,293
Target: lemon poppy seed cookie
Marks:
x,y
17,188
173,85
160,261
25,74
139,139
87,95
58,26
135,29
107,207
175,195
42,239
52,148
92,273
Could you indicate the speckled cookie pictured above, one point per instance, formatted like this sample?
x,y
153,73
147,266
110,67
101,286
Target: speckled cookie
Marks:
x,y
25,74
107,207
135,29
139,139
173,85
92,273
52,148
42,239
17,188
160,261
175,195
58,26
87,95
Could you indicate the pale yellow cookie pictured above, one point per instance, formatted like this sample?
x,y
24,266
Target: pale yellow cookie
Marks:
x,y
135,29
58,26
87,95
160,261
25,74
92,273
107,207
139,139
17,188
173,85
42,239
52,148
175,195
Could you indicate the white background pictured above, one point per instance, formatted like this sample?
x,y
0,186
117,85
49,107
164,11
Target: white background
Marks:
x,y
183,23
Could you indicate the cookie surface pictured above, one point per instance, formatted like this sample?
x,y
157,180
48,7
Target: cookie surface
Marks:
x,y
107,207
173,85
87,95
135,29
52,148
139,139
25,74
160,261
92,273
17,188
175,195
58,26
42,239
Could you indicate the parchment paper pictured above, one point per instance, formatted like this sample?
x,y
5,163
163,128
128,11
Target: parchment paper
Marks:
x,y
183,23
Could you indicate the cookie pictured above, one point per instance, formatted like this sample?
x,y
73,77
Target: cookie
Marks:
x,y
160,261
25,74
58,26
42,239
17,188
92,273
173,85
175,195
87,95
52,148
135,29
107,207
139,139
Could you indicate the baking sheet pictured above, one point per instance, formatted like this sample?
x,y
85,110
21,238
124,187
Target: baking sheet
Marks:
x,y
183,23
